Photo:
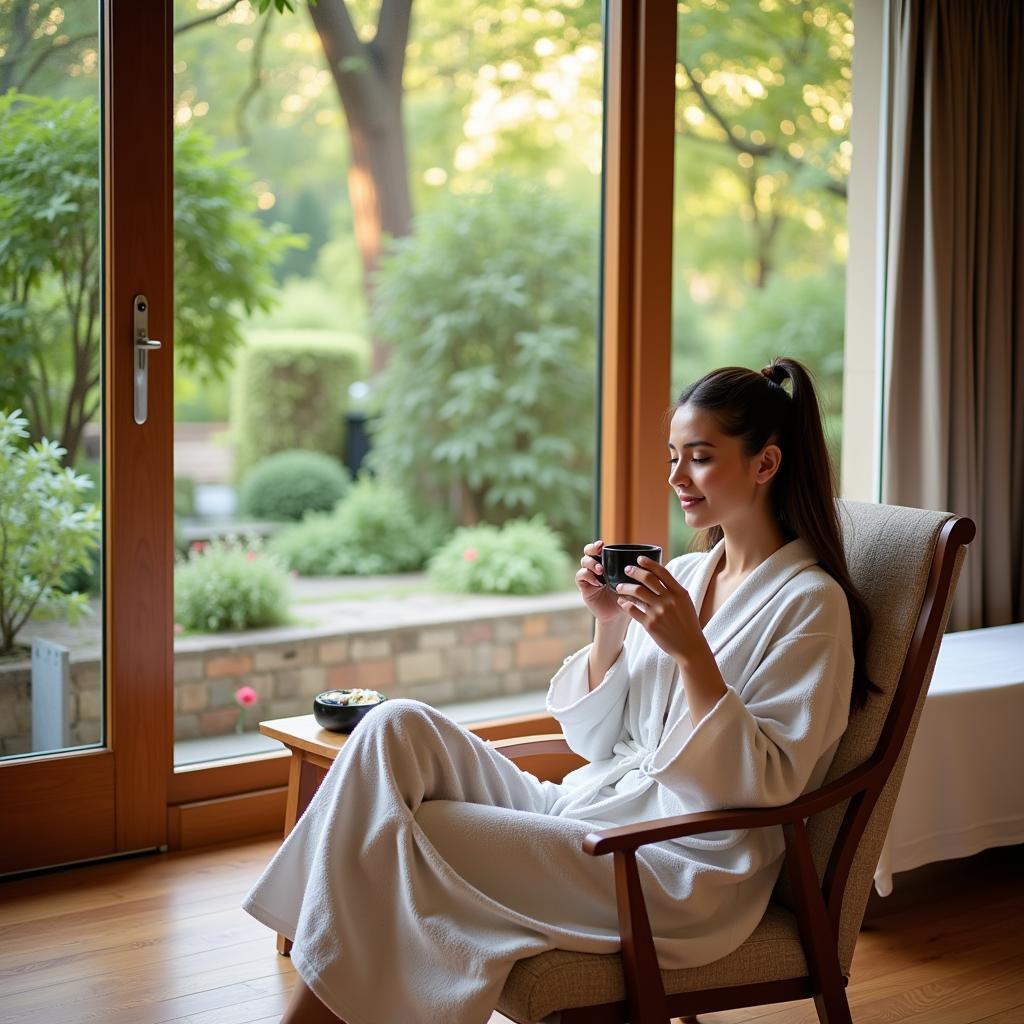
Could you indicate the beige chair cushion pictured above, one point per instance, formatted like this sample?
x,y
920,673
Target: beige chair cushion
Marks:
x,y
889,552
558,980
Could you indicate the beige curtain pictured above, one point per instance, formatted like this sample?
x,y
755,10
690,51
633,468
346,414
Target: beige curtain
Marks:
x,y
954,373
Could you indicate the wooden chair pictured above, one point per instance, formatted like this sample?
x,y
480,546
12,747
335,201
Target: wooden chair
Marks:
x,y
906,563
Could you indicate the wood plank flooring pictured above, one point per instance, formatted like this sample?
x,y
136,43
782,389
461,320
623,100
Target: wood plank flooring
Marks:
x,y
161,940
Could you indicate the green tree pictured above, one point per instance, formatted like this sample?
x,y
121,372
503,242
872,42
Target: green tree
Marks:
x,y
763,130
46,529
408,80
487,406
50,283
417,85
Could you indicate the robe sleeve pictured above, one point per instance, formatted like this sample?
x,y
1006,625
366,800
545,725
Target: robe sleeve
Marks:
x,y
761,750
592,721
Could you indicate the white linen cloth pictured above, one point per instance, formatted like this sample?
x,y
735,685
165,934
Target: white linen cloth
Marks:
x,y
427,863
963,790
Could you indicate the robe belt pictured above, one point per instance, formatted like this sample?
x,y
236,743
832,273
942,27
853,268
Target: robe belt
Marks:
x,y
638,760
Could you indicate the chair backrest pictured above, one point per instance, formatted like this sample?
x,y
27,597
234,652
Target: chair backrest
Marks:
x,y
890,551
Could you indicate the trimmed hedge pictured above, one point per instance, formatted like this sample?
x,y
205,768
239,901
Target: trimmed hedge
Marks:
x,y
287,485
290,391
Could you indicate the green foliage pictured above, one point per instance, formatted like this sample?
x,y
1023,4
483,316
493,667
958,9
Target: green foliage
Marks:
x,y
801,317
199,399
223,254
46,529
522,557
49,207
228,586
290,390
184,496
289,484
490,309
374,529
763,140
50,259
331,299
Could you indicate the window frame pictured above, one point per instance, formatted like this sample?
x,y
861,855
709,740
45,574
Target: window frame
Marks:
x,y
635,336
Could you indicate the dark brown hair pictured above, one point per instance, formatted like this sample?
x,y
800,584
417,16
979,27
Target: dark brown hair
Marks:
x,y
756,408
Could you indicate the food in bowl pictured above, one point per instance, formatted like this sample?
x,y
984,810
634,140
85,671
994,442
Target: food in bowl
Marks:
x,y
343,710
351,698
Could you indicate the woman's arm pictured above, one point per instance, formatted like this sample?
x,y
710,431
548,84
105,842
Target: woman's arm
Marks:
x,y
608,640
667,614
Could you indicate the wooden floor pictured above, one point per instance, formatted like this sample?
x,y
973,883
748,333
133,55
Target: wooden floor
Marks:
x,y
161,940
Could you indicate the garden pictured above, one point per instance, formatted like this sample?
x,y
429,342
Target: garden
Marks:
x,y
385,408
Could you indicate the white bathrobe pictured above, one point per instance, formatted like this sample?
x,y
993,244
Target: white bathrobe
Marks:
x,y
427,863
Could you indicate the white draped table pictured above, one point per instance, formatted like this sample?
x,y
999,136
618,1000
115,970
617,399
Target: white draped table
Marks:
x,y
964,786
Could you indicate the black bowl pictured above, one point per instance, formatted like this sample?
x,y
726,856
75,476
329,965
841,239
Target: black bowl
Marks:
x,y
340,717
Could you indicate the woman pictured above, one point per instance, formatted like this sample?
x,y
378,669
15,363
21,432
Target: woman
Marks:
x,y
427,863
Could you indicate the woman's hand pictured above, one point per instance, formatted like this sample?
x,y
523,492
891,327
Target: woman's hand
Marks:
x,y
601,600
663,607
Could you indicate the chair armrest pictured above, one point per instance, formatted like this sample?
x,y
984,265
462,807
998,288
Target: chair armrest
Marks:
x,y
516,747
631,837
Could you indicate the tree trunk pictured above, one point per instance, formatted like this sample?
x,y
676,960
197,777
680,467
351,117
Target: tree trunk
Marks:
x,y
378,189
368,78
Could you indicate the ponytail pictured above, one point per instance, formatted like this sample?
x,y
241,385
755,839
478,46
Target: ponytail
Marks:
x,y
757,408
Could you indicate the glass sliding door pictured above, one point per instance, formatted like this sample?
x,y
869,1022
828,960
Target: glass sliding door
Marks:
x,y
397,341
51,483
82,541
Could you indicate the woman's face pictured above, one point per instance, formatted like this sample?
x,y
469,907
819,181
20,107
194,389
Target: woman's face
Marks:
x,y
715,481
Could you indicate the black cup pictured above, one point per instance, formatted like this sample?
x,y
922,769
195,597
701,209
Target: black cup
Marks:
x,y
615,558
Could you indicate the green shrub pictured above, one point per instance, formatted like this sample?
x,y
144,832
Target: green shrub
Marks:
x,y
289,391
374,529
489,309
289,484
522,557
226,585
48,529
184,496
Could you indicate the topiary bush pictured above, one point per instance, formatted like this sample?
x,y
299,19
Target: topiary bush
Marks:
x,y
229,585
524,556
374,529
289,484
289,391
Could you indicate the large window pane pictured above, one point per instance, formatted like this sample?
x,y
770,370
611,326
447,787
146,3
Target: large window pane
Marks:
x,y
763,155
51,678
387,270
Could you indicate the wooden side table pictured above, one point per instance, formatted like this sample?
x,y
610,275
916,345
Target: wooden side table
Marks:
x,y
314,749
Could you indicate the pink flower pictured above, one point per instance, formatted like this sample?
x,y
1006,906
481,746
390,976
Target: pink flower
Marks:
x,y
179,628
246,695
197,546
470,554
250,556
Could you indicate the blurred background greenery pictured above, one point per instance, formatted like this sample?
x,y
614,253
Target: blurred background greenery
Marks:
x,y
423,216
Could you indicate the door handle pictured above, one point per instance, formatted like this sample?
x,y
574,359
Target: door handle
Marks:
x,y
143,345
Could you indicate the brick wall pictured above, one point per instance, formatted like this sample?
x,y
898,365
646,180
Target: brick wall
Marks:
x,y
439,662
